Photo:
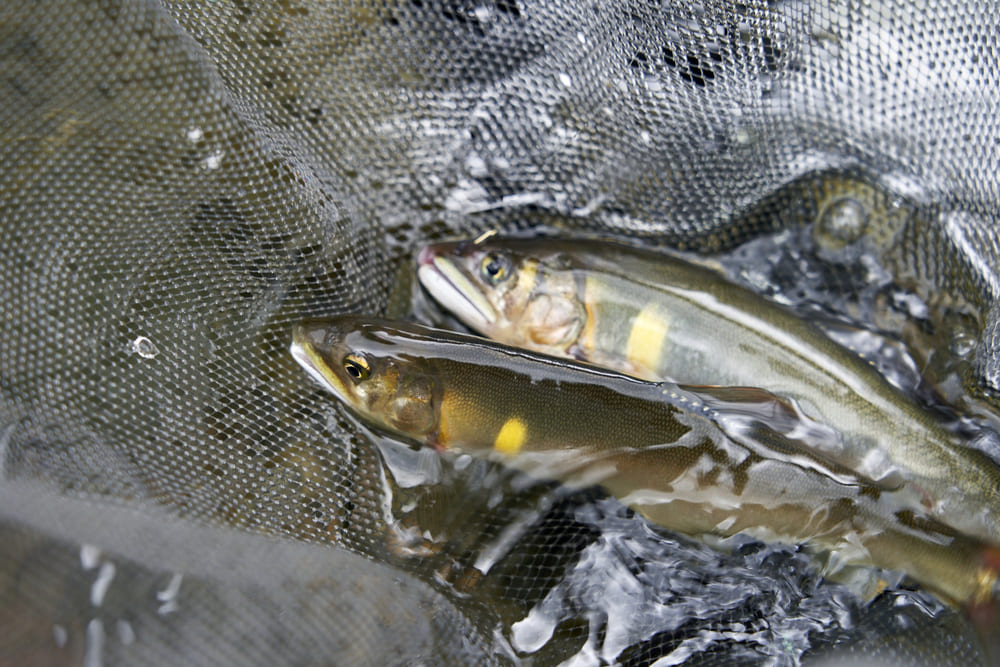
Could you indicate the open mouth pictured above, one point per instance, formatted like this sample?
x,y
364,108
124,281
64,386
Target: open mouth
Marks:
x,y
450,287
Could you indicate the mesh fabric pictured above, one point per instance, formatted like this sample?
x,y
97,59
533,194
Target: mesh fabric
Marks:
x,y
180,182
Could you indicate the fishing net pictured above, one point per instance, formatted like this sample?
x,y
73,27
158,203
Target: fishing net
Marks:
x,y
180,182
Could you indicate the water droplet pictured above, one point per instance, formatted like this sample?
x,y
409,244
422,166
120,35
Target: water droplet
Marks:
x,y
100,586
476,166
484,14
93,655
841,221
168,596
126,635
214,160
89,554
144,347
743,135
195,134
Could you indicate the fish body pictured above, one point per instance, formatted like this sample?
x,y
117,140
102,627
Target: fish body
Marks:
x,y
658,447
659,317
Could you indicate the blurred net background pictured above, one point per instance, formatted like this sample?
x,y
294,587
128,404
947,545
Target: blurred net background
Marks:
x,y
181,182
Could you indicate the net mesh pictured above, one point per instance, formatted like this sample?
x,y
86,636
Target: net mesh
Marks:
x,y
183,181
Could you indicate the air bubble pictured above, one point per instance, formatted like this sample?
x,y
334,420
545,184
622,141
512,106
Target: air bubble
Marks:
x,y
144,347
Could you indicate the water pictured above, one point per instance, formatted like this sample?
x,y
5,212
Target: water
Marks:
x,y
855,300
574,577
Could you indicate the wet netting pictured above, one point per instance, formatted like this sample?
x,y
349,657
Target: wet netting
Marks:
x,y
181,182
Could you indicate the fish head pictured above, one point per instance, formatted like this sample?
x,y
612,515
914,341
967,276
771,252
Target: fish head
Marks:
x,y
506,291
357,362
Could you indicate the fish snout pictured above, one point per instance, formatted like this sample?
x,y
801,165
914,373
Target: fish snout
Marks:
x,y
321,335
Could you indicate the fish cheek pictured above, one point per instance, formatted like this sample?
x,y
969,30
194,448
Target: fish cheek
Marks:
x,y
414,408
552,320
371,394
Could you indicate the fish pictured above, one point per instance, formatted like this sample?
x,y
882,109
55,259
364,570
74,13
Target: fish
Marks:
x,y
657,316
659,448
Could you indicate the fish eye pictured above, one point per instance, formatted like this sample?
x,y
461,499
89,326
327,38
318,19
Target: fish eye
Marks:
x,y
495,268
357,367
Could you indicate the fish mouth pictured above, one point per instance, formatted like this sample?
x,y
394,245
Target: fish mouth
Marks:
x,y
449,286
304,351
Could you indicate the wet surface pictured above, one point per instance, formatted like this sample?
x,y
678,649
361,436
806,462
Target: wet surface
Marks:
x,y
845,290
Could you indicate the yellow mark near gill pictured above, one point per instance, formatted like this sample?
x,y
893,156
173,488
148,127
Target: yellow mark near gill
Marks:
x,y
587,340
645,341
528,276
986,581
511,437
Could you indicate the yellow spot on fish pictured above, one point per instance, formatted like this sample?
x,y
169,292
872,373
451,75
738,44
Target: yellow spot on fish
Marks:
x,y
645,342
511,437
